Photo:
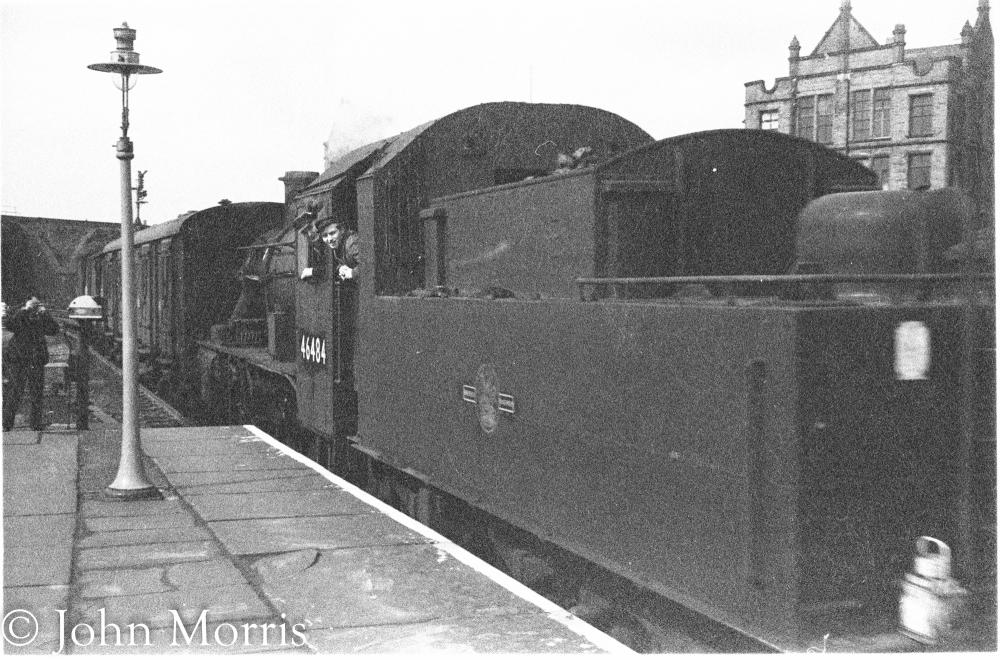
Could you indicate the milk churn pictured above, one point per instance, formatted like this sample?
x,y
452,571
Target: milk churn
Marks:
x,y
931,599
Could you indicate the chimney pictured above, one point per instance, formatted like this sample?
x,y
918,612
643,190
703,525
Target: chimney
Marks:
x,y
294,182
793,57
899,42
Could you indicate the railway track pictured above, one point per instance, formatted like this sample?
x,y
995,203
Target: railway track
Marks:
x,y
105,384
154,412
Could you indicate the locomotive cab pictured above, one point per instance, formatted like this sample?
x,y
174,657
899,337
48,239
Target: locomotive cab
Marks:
x,y
390,181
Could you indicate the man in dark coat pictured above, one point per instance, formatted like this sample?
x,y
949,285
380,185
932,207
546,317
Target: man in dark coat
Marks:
x,y
24,360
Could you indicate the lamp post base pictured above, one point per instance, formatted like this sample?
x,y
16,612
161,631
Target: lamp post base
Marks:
x,y
131,494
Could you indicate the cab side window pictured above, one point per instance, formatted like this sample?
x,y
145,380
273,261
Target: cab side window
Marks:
x,y
312,253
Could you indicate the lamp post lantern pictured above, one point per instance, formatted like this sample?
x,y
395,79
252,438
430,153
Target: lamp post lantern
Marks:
x,y
131,482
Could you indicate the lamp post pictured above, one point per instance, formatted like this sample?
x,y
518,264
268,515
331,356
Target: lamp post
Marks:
x,y
131,482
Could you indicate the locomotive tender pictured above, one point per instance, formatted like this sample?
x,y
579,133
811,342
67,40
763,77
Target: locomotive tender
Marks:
x,y
671,362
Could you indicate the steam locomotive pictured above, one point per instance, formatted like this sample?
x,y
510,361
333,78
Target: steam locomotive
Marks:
x,y
720,366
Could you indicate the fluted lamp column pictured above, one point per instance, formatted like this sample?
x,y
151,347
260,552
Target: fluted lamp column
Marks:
x,y
131,482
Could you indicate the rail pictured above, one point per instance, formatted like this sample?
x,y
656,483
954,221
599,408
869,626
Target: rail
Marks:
x,y
793,283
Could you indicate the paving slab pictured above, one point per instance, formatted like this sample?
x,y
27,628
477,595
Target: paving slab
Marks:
x,y
209,433
243,506
380,586
187,532
40,479
181,480
226,463
204,574
156,579
507,634
21,437
226,602
203,447
143,508
37,624
303,482
181,518
38,530
137,556
38,550
260,536
121,582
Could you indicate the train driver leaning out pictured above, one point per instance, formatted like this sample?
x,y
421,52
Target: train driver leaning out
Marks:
x,y
344,243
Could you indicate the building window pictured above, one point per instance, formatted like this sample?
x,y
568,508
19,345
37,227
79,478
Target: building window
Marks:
x,y
870,113
918,172
881,111
806,117
880,166
824,119
861,114
769,120
814,118
921,113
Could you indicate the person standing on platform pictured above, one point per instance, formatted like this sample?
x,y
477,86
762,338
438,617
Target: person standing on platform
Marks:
x,y
24,360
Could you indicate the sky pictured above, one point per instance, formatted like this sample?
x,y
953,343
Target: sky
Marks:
x,y
252,89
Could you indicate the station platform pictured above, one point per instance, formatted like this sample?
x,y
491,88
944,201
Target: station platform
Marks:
x,y
253,548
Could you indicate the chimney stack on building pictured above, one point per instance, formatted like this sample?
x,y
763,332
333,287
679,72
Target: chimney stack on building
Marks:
x,y
899,43
793,57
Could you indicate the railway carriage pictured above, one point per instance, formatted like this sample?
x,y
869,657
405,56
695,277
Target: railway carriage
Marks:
x,y
185,283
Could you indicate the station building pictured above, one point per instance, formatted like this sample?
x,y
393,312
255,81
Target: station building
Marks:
x,y
919,117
